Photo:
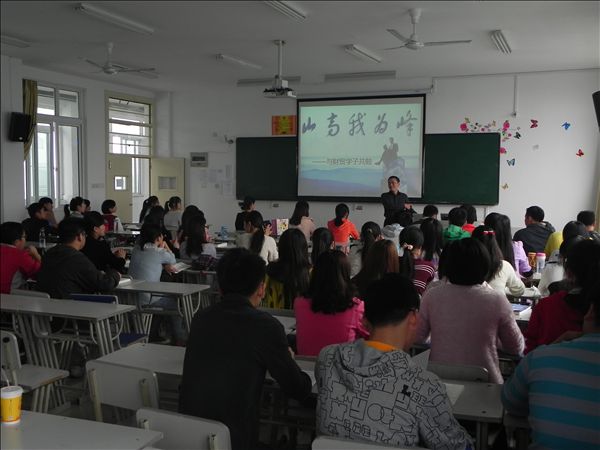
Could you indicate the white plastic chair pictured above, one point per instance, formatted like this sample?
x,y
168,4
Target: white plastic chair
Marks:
x,y
121,386
184,432
36,379
336,443
459,372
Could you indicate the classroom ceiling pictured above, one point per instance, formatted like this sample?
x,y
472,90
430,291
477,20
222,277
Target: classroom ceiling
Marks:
x,y
188,34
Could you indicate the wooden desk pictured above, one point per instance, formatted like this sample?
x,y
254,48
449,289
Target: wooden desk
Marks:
x,y
47,431
186,294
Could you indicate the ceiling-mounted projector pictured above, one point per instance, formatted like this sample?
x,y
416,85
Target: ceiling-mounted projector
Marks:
x,y
280,89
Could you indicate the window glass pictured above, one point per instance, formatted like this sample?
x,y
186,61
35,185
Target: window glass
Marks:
x,y
68,103
130,129
45,100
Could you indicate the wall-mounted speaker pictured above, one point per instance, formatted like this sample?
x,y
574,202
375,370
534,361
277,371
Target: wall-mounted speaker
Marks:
x,y
20,125
596,98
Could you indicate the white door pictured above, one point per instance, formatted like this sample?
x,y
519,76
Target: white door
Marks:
x,y
167,177
119,184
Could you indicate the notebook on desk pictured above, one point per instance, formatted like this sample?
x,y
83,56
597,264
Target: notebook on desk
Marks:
x,y
181,266
124,281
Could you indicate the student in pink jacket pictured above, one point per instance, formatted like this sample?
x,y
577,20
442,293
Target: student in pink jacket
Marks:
x,y
329,313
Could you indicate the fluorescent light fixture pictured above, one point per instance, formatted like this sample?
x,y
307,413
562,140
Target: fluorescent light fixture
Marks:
x,y
263,81
362,53
500,41
361,76
15,42
238,61
115,19
287,9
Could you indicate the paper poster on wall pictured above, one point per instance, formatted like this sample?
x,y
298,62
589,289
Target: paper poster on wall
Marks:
x,y
202,177
227,189
212,175
283,125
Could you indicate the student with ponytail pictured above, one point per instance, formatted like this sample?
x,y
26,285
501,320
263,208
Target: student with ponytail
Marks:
x,y
421,272
147,205
341,228
369,234
256,238
174,212
322,241
433,240
75,208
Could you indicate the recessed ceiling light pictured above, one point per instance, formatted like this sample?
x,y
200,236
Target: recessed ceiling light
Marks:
x,y
362,53
287,9
236,60
115,19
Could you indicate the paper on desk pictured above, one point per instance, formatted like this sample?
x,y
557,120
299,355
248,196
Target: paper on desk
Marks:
x,y
124,281
422,359
454,391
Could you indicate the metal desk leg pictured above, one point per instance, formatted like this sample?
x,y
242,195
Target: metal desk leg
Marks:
x,y
482,436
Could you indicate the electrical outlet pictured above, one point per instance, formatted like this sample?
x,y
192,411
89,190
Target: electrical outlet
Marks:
x,y
274,205
358,207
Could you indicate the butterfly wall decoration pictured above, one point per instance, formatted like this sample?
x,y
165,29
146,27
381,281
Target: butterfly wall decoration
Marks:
x,y
511,162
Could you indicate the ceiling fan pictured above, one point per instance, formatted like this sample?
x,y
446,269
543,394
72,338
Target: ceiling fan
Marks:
x,y
413,42
111,68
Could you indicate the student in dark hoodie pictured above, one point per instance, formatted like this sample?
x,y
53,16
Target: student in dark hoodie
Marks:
x,y
536,232
65,270
96,248
38,219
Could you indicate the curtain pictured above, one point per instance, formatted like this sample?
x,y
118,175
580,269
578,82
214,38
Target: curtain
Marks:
x,y
30,107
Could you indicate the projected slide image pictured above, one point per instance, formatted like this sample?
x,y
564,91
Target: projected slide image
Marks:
x,y
351,149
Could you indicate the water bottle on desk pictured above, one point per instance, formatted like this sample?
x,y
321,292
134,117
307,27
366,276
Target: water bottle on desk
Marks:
x,y
540,259
42,239
224,234
117,225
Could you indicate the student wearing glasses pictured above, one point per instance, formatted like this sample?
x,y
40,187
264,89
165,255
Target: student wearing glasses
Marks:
x,y
17,263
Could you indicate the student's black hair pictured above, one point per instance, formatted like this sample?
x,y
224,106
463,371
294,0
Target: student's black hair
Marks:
x,y
69,229
189,212
34,208
155,216
443,261
73,204
247,203
172,203
341,212
148,203
433,238
107,205
321,240
457,216
394,177
87,202
587,218
91,220
574,228
410,238
45,200
583,266
535,212
195,234
369,233
566,246
330,287
501,226
149,234
300,211
292,267
11,232
258,236
240,272
382,259
389,300
467,263
594,299
471,213
430,211
487,236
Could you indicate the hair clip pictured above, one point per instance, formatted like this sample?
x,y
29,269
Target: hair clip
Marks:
x,y
486,232
408,247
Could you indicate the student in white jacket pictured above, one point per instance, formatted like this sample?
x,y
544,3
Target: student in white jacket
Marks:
x,y
256,237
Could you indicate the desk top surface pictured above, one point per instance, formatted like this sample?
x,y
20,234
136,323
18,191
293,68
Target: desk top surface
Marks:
x,y
162,287
61,308
473,400
164,359
47,431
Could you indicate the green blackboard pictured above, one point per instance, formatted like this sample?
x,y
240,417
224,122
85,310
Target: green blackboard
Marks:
x,y
458,168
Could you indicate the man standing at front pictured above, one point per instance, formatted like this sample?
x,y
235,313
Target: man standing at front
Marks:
x,y
394,200
231,346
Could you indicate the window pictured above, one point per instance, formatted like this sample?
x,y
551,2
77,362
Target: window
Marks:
x,y
130,127
52,168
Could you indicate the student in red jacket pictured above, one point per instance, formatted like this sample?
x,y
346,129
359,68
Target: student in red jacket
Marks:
x,y
17,262
341,228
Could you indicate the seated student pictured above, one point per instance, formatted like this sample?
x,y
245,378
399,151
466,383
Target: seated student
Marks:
x,y
287,277
502,276
155,216
564,311
412,266
322,241
148,204
341,228
467,319
570,230
393,226
96,248
512,251
75,208
66,270
471,218
369,234
172,218
557,388
410,404
300,219
189,212
381,259
433,241
256,237
48,204
457,217
37,220
429,212
109,214
88,205
17,263
536,233
588,218
195,241
232,345
249,204
554,270
328,313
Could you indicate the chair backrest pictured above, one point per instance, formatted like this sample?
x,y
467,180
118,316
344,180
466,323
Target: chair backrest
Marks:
x,y
459,372
121,386
184,432
336,443
10,359
30,293
98,298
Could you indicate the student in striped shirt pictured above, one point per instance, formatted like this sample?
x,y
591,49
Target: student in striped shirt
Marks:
x,y
558,387
421,272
